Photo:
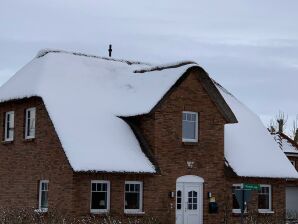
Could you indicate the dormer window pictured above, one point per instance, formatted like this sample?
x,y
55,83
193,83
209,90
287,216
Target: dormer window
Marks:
x,y
30,123
189,126
9,126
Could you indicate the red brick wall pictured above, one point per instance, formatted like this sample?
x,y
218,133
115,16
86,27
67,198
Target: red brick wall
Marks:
x,y
24,163
278,196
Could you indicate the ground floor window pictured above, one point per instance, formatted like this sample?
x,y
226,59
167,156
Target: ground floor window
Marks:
x,y
264,198
43,195
236,206
133,196
100,196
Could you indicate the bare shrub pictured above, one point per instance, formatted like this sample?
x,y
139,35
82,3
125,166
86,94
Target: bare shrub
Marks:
x,y
29,216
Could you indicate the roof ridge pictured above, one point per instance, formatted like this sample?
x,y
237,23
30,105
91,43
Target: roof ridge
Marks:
x,y
222,88
46,51
165,66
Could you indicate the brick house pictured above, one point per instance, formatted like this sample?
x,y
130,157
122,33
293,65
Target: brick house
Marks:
x,y
290,147
91,135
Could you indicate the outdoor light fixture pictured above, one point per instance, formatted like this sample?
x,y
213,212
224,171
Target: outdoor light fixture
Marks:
x,y
190,164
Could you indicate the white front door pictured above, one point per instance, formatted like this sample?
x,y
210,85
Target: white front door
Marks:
x,y
189,203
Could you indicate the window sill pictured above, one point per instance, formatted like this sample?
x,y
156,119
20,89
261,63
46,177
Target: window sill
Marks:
x,y
6,142
134,213
190,143
265,212
29,139
238,212
96,212
41,210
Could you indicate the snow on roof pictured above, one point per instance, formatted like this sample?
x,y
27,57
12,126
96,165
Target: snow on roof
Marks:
x,y
285,143
86,95
249,148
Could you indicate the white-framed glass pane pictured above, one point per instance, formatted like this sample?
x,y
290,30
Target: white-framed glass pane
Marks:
x,y
192,200
234,200
43,194
30,123
99,195
133,196
44,199
264,198
9,126
179,200
189,125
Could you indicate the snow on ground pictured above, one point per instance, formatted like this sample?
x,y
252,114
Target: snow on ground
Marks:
x,y
85,95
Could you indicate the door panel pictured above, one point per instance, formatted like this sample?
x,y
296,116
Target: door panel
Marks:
x,y
190,211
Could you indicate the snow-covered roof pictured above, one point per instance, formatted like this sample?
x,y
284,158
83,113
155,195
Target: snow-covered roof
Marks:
x,y
286,144
250,149
86,95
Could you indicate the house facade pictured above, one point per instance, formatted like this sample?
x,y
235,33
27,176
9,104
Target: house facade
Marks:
x,y
290,147
88,135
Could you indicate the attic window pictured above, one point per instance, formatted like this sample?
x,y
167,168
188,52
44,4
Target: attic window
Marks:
x,y
9,126
30,123
189,126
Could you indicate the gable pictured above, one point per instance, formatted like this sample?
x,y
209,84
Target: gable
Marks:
x,y
203,78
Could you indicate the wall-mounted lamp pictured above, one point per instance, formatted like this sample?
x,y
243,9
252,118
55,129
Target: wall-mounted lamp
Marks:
x,y
172,194
190,164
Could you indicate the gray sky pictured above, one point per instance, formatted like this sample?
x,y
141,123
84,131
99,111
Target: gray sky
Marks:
x,y
250,47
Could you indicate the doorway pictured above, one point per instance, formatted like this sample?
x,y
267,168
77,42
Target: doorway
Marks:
x,y
189,200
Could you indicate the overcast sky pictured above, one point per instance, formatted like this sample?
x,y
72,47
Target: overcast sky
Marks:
x,y
250,47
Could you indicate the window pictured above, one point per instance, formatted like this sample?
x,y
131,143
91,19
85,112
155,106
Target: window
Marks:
x,y
43,195
236,206
293,163
264,198
189,126
133,196
192,200
9,126
179,200
30,123
100,196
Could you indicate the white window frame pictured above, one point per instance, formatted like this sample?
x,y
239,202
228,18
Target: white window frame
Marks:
x,y
27,136
97,211
269,210
9,127
196,127
40,192
238,210
134,211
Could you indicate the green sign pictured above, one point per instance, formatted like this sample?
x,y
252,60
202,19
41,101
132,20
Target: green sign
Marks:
x,y
252,187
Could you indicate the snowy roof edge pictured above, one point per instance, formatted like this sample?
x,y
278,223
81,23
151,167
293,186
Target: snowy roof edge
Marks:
x,y
46,51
